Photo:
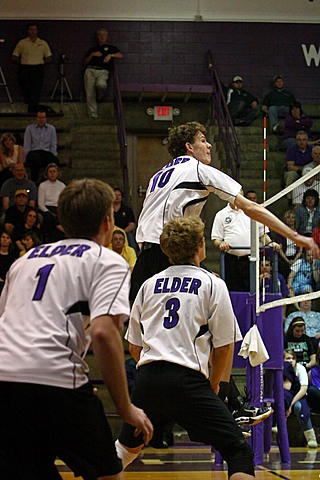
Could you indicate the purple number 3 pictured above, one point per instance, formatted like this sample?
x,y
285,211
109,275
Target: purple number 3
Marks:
x,y
172,306
43,274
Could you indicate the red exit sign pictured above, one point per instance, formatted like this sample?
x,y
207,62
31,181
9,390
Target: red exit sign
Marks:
x,y
162,113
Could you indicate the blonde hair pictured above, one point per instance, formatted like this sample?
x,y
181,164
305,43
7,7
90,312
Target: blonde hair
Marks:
x,y
4,138
82,207
181,239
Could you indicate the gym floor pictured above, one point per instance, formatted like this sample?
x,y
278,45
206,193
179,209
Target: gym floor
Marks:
x,y
190,461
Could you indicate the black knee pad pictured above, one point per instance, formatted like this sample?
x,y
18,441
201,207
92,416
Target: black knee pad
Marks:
x,y
239,457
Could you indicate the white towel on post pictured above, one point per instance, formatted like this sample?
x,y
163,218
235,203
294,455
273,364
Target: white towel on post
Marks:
x,y
253,347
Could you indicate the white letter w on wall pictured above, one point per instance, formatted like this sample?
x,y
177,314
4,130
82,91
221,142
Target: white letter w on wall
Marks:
x,y
311,54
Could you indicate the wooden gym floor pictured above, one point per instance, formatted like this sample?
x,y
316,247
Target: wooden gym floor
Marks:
x,y
194,462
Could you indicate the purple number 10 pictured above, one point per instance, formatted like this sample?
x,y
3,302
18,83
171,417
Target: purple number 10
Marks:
x,y
161,179
43,274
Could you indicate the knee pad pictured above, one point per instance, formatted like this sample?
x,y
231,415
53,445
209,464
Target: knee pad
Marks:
x,y
239,457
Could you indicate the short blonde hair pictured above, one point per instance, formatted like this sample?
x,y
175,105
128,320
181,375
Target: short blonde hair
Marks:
x,y
181,239
82,207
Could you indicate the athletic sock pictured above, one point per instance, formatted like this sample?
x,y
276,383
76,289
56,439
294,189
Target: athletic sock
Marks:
x,y
124,454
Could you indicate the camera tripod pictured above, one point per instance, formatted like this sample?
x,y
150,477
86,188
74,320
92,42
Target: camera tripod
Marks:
x,y
3,82
64,86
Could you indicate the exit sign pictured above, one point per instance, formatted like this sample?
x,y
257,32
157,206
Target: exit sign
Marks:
x,y
162,113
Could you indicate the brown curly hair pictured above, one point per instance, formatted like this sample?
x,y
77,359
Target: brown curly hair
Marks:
x,y
182,134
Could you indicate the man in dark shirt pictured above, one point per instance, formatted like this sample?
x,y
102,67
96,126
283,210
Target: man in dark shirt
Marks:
x,y
243,106
276,102
297,157
15,214
98,62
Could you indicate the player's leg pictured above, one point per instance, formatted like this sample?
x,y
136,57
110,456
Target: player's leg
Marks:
x,y
211,422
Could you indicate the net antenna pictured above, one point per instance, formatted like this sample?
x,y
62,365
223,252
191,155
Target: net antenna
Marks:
x,y
262,306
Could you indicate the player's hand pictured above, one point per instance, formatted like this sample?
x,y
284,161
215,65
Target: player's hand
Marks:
x,y
137,418
107,58
224,246
309,244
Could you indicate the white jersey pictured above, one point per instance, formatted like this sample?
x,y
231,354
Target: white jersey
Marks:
x,y
234,227
48,294
179,314
181,188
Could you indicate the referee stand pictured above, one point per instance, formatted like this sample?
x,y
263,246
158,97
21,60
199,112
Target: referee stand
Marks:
x,y
3,82
264,382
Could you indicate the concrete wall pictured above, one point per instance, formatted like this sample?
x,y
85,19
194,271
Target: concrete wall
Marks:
x,y
175,52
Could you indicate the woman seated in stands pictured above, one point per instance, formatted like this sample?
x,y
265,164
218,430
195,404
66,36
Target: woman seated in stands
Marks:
x,y
10,155
314,385
303,275
294,122
7,256
48,195
311,319
308,214
29,240
297,340
289,251
295,384
30,224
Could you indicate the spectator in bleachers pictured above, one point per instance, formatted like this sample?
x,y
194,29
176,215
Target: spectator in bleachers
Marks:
x,y
252,195
297,340
315,154
311,319
276,102
7,256
289,251
48,195
14,216
124,217
242,105
308,214
31,54
118,245
10,155
299,191
31,224
267,280
98,62
314,385
297,156
18,182
29,240
295,384
301,277
40,145
295,122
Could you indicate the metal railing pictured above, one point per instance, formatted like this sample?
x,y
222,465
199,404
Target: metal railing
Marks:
x,y
220,113
121,131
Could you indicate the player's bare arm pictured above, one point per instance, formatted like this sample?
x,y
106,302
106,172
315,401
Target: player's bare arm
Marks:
x,y
135,351
108,350
219,358
261,214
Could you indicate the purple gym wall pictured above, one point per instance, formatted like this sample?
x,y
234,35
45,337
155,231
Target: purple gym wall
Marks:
x,y
175,52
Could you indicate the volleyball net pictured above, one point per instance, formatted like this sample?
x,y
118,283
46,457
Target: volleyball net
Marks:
x,y
304,276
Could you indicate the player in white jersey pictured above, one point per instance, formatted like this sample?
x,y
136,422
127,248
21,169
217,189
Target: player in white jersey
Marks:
x,y
179,317
47,405
181,188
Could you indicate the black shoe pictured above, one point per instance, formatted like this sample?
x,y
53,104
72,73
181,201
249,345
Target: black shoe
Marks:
x,y
250,415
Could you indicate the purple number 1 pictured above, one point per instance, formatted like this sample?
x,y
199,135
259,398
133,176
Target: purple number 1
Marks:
x,y
43,274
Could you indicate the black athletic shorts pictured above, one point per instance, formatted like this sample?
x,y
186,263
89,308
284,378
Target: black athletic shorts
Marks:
x,y
39,423
168,392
